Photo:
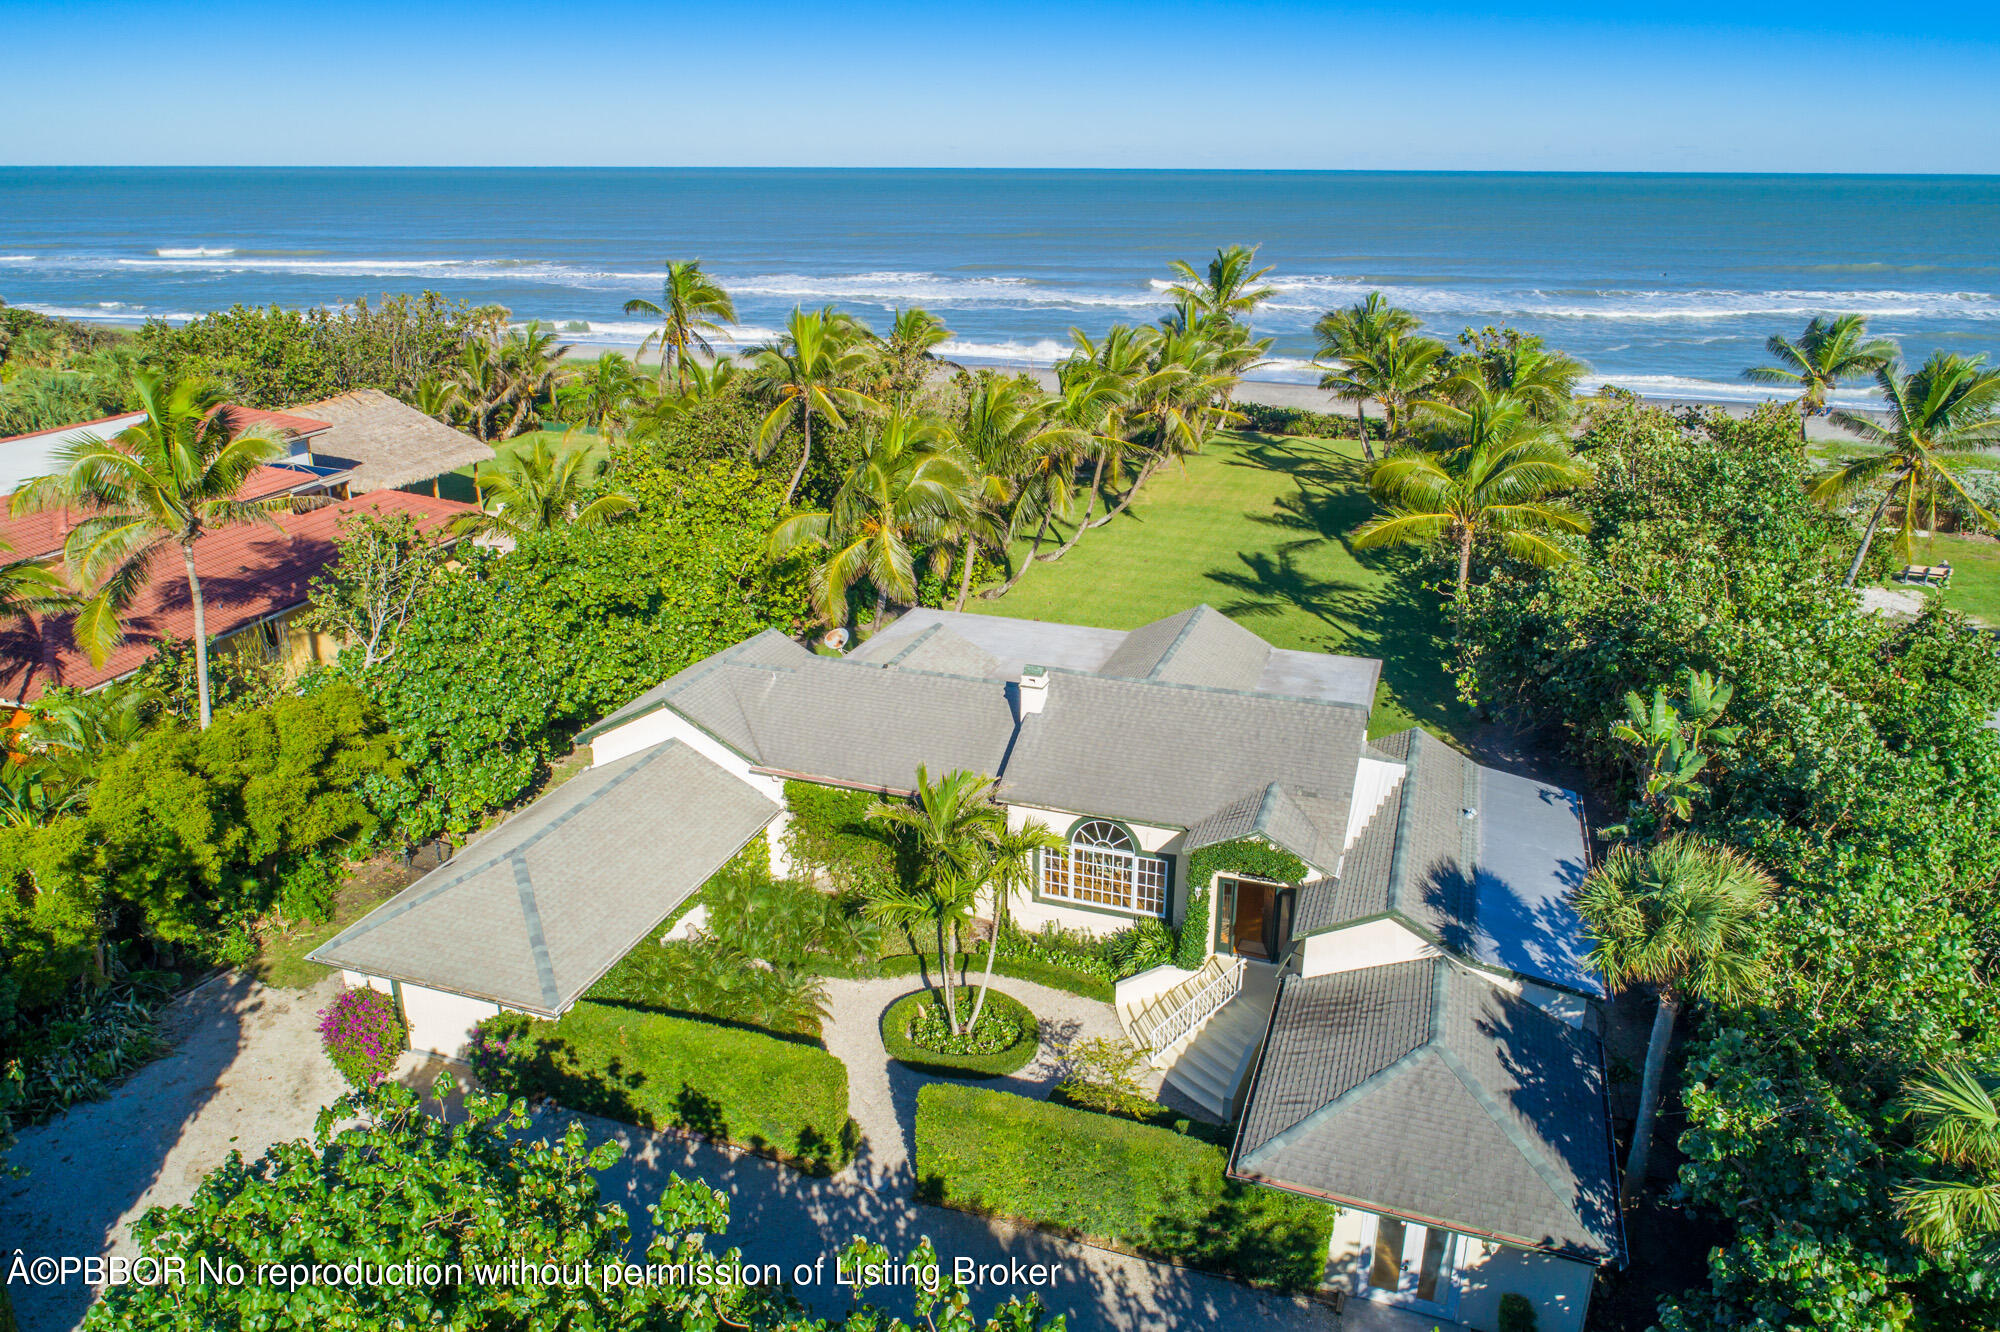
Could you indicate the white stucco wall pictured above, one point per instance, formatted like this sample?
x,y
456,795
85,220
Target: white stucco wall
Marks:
x,y
440,1023
1374,943
1482,1271
1030,914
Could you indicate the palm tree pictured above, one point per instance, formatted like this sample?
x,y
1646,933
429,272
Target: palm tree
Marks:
x,y
603,394
691,304
1683,915
1010,869
807,372
952,826
908,490
1506,360
1396,371
1359,331
1495,479
163,481
503,374
1939,414
74,733
908,353
1829,352
28,587
1228,290
1957,1110
544,488
1010,440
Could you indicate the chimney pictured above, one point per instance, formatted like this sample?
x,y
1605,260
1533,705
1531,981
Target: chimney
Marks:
x,y
1034,689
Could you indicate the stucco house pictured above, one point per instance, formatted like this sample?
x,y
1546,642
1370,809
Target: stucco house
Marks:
x,y
1394,1007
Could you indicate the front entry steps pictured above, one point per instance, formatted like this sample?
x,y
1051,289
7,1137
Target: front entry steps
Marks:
x,y
1210,1069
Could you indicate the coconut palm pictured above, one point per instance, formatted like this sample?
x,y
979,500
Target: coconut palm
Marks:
x,y
166,480
1228,291
692,305
1180,403
1360,330
1010,868
1940,416
1956,1109
603,394
1085,416
503,374
544,488
1683,915
1009,440
1506,360
907,354
951,826
1829,353
906,491
1495,476
28,587
808,371
1396,371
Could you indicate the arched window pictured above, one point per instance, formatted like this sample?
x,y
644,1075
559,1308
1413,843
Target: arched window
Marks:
x,y
1103,867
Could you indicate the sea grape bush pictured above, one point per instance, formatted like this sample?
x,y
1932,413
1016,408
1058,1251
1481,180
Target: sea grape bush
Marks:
x,y
363,1035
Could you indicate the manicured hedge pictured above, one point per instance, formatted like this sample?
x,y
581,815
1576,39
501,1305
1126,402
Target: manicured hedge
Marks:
x,y
1115,1183
971,966
780,1098
896,1021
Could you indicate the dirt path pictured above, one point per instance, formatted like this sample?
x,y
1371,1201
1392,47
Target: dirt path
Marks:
x,y
247,1072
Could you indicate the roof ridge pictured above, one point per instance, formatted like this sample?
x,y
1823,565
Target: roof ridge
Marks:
x,y
1399,854
917,640
1180,637
1149,682
383,914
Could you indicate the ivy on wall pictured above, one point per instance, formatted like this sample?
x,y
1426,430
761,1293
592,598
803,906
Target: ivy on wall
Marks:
x,y
1250,856
829,834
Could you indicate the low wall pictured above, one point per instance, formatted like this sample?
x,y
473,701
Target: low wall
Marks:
x,y
1148,985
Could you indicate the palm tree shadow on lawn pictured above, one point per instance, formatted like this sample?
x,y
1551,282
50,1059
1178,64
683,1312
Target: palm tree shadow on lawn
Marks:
x,y
1398,620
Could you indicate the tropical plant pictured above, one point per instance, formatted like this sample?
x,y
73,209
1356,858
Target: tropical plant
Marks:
x,y
1228,290
1667,742
543,487
907,491
1940,414
807,371
1103,382
603,394
74,732
1396,370
1829,353
164,481
1010,868
692,305
363,1035
907,354
384,565
1021,455
1358,334
1685,916
503,375
1956,1108
29,587
1508,361
950,828
1495,477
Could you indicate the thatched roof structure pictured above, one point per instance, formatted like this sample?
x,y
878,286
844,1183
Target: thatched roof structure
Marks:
x,y
389,443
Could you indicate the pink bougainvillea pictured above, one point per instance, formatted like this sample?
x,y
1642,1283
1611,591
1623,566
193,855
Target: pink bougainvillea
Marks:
x,y
363,1035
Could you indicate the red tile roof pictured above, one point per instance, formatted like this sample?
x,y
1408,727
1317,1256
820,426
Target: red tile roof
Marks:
x,y
78,425
40,535
247,572
284,423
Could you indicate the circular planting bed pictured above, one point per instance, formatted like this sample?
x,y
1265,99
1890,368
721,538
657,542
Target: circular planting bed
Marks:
x,y
916,1034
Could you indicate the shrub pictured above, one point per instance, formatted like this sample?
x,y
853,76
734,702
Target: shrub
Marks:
x,y
1074,950
1115,1183
1191,948
1516,1313
1268,420
973,965
77,1050
1138,948
830,836
780,1098
914,1032
363,1035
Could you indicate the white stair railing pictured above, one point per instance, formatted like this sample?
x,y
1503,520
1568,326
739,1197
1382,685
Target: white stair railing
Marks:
x,y
1169,1018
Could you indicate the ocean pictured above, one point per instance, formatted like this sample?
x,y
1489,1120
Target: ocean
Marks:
x,y
1666,284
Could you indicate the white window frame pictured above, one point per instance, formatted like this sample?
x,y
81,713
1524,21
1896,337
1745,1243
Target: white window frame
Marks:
x,y
1112,867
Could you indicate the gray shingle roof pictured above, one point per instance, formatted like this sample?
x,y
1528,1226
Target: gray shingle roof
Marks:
x,y
1424,1091
1173,754
1201,646
530,914
939,649
389,442
1274,815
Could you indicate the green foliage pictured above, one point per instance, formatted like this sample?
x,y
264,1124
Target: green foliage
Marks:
x,y
237,680
776,1097
1252,856
363,1035
1078,951
971,965
384,565
1191,946
1517,1313
383,1192
56,372
499,665
830,836
1097,1075
1267,420
1862,775
277,357
915,1033
1115,1183
77,1050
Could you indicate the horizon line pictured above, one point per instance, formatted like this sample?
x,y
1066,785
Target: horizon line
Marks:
x,y
975,170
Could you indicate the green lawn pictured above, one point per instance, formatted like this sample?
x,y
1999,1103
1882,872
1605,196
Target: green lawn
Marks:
x,y
1256,528
1975,573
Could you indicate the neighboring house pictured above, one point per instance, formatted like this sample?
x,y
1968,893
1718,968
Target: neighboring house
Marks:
x,y
380,443
35,453
1395,1005
254,581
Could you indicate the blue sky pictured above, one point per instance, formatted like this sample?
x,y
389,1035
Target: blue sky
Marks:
x,y
1548,85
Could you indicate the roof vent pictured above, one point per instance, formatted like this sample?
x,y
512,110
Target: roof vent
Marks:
x,y
1034,689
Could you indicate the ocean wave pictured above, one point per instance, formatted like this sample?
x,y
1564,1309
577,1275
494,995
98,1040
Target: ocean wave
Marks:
x,y
194,252
107,311
935,290
1632,304
1711,390
17,258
